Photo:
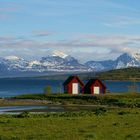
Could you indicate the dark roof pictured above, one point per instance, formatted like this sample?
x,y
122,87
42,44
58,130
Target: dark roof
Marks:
x,y
71,78
92,81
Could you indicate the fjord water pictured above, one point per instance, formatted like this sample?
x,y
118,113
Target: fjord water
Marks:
x,y
12,86
17,86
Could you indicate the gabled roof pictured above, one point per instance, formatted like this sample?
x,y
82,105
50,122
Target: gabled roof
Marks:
x,y
71,78
93,81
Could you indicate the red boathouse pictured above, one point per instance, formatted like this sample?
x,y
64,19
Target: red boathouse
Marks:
x,y
73,85
94,86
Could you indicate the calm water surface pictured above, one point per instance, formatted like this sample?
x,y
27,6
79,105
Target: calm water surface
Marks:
x,y
12,87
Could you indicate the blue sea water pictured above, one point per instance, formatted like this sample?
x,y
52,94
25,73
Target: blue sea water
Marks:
x,y
11,87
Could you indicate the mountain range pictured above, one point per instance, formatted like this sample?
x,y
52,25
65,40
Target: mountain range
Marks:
x,y
125,60
13,66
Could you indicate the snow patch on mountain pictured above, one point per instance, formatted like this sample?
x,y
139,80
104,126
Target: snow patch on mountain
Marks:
x,y
120,65
136,56
12,58
95,65
59,54
35,62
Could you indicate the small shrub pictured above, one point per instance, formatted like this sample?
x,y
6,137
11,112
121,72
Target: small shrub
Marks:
x,y
123,113
47,90
115,124
100,111
129,136
81,130
15,138
90,136
126,123
25,114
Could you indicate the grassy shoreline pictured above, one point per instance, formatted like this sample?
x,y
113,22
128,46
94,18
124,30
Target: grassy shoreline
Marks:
x,y
111,100
64,99
121,100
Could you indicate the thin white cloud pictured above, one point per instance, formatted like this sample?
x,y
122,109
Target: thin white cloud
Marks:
x,y
89,46
42,33
122,21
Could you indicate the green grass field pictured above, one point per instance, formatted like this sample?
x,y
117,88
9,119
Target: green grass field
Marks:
x,y
116,124
118,120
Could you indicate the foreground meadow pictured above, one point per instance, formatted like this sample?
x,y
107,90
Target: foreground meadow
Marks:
x,y
113,116
101,124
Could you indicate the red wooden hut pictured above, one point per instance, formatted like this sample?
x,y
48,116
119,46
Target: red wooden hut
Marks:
x,y
94,86
73,85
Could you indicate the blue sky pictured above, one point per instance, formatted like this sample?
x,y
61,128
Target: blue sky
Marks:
x,y
95,29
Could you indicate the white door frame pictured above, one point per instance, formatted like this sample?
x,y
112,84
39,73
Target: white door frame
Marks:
x,y
75,88
96,90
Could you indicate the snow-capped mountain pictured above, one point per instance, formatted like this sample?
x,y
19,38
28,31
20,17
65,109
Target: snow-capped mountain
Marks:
x,y
127,60
14,63
60,62
67,63
123,61
100,65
